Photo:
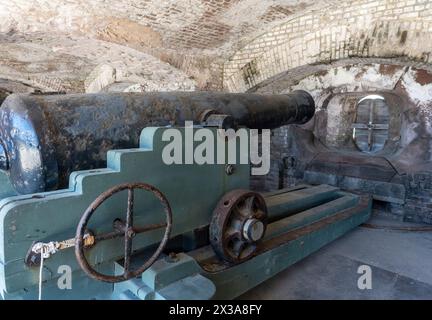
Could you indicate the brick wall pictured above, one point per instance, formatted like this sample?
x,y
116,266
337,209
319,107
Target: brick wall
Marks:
x,y
361,28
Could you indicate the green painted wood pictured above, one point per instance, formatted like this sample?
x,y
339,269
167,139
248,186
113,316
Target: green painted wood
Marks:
x,y
311,215
6,189
83,288
192,190
235,280
296,200
194,287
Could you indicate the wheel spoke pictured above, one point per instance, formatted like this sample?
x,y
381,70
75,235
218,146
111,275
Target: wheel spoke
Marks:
x,y
249,203
149,227
236,218
128,231
109,235
259,214
246,250
129,213
238,248
247,207
230,235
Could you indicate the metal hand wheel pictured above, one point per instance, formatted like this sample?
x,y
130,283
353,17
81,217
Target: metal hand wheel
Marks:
x,y
122,229
238,225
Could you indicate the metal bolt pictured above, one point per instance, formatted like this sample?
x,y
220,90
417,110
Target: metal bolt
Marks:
x,y
172,257
229,169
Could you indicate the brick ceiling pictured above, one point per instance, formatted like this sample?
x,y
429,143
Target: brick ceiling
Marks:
x,y
170,24
62,41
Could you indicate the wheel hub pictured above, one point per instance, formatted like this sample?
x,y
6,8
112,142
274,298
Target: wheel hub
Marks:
x,y
253,230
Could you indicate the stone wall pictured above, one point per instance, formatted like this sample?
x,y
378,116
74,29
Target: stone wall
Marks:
x,y
409,150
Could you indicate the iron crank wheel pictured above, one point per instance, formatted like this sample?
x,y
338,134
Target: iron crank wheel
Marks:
x,y
125,229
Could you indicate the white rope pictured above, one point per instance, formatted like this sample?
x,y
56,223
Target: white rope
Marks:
x,y
45,250
41,276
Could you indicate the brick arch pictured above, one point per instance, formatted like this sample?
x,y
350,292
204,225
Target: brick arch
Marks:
x,y
290,79
361,29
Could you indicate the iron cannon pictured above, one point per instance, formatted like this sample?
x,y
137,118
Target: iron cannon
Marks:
x,y
131,226
43,138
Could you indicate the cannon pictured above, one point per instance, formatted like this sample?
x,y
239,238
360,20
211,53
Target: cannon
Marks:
x,y
43,138
130,226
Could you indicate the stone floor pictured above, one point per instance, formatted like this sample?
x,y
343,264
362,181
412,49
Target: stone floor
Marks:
x,y
401,264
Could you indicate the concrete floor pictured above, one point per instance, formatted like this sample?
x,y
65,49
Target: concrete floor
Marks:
x,y
401,264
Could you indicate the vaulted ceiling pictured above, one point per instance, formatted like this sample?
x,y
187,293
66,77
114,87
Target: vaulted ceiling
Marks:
x,y
168,44
145,45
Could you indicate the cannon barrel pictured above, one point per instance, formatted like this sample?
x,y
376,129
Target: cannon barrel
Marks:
x,y
43,138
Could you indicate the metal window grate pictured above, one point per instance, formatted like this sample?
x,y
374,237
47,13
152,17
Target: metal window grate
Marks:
x,y
370,130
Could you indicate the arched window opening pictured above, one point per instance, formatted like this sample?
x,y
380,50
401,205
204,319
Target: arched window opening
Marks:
x,y
370,129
